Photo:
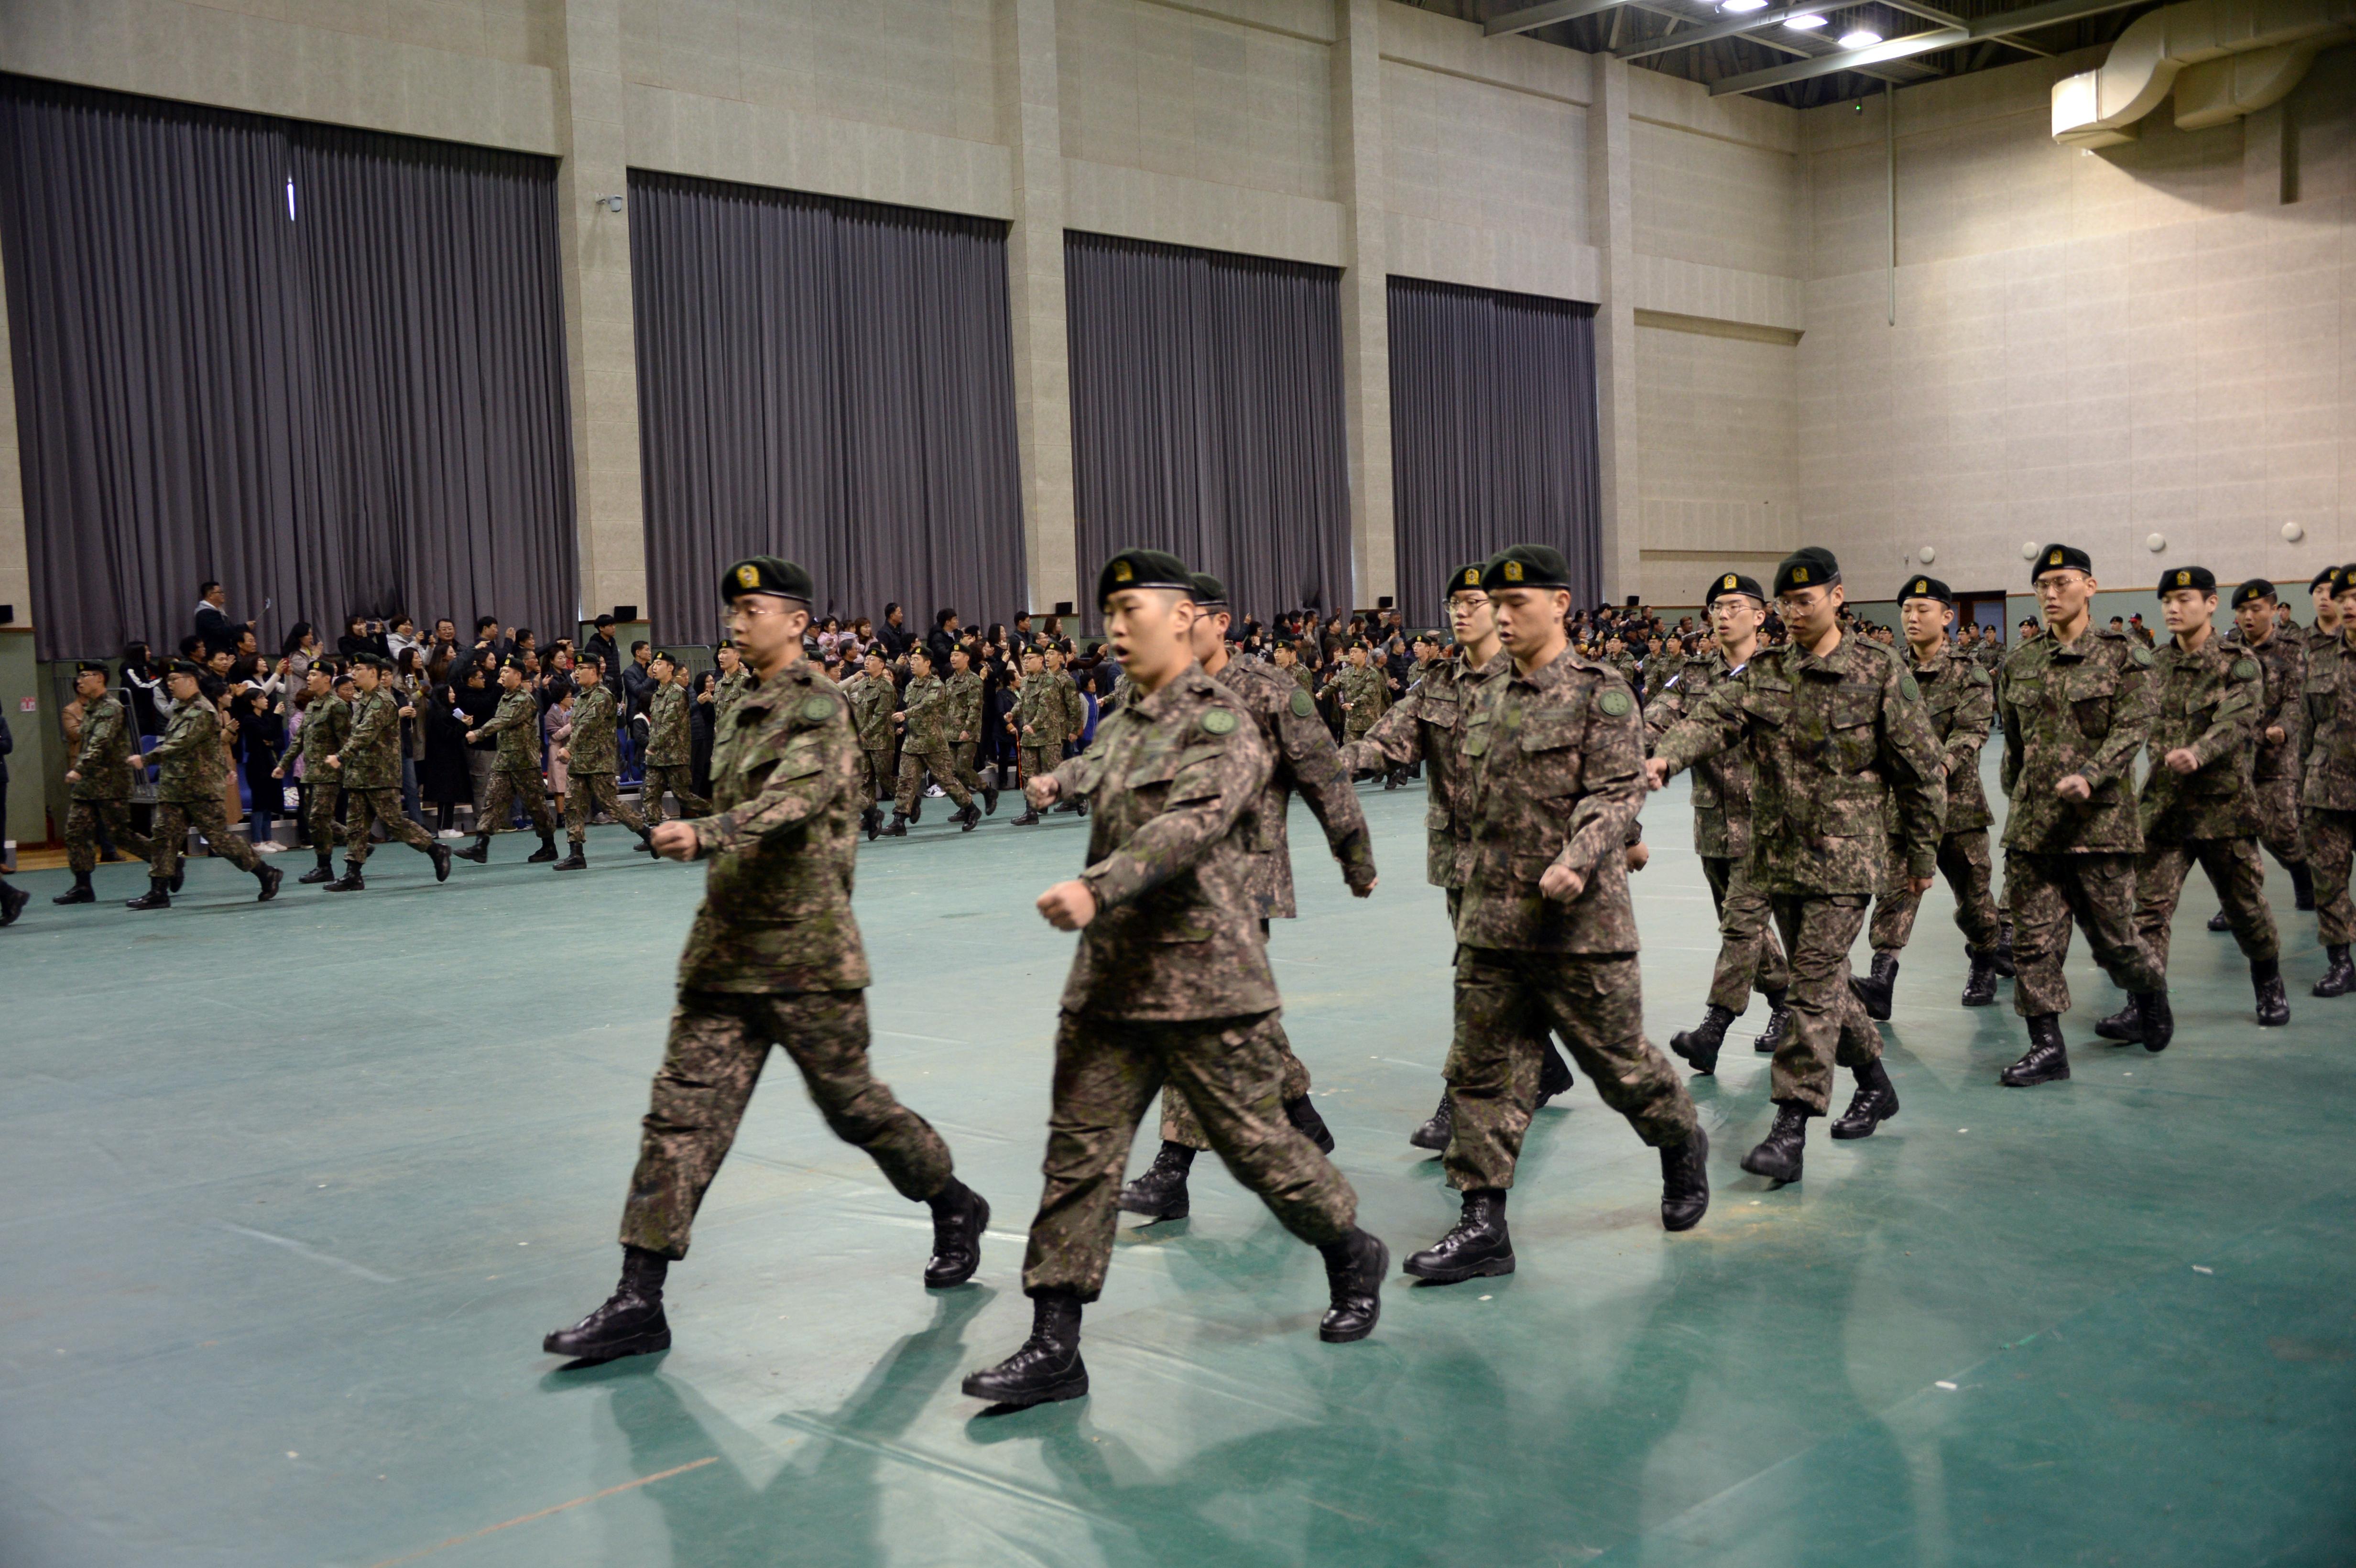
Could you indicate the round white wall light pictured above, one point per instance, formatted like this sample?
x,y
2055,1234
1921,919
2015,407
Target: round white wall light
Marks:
x,y
1928,555
2155,544
2028,550
2293,533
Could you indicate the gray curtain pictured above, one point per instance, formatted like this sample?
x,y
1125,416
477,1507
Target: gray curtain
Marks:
x,y
325,366
1206,418
828,380
1492,434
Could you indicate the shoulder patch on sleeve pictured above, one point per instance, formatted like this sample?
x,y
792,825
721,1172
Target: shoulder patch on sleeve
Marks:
x,y
2141,654
1615,702
1218,721
816,708
2246,669
1303,705
1981,677
1911,686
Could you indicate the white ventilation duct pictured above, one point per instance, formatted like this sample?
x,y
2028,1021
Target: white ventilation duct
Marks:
x,y
2223,59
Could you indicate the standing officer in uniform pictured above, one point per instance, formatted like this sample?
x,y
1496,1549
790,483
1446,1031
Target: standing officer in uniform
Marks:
x,y
369,763
924,744
732,683
592,758
1836,732
517,724
1170,985
2323,594
194,772
326,723
670,752
2077,705
99,785
1748,956
963,689
1959,699
2328,797
1545,932
2198,804
872,706
2281,737
1039,729
1360,689
1301,752
774,958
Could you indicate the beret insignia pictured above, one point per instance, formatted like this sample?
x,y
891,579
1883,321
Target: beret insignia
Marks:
x,y
816,708
1922,585
1471,576
1728,582
1799,574
2053,560
748,576
1121,572
2245,669
2184,579
1513,572
1301,704
1615,703
1219,721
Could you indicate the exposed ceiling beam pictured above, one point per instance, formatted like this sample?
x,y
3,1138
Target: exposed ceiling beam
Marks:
x,y
1732,27
1530,16
2000,26
1949,19
1675,39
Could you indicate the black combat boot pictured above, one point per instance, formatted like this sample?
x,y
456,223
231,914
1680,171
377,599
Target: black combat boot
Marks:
x,y
872,819
325,871
545,853
2047,1061
899,828
1477,1247
647,837
1435,1133
2159,1019
351,881
2302,889
2219,923
1875,1103
2341,977
479,852
1079,809
1554,1073
967,817
1048,1366
269,876
1685,1182
157,896
181,874
1979,985
1029,818
1160,1193
1355,1268
2126,1026
1779,1026
1875,990
1390,780
959,1217
631,1321
1778,1158
12,904
989,800
1699,1045
82,893
439,855
2274,1005
574,861
1303,1117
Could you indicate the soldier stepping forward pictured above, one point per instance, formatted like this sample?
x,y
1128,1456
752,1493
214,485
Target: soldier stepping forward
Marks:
x,y
192,760
670,753
1838,745
99,783
773,958
326,724
1545,932
517,724
593,761
1748,956
2077,705
922,716
1959,699
369,766
963,727
1301,754
2281,737
2329,796
872,698
1171,984
1427,725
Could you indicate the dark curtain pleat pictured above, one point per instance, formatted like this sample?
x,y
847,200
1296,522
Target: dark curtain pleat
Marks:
x,y
1494,434
360,407
1207,417
828,380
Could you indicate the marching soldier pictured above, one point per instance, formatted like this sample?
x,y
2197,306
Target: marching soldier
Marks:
x,y
2197,802
516,722
1039,716
1358,687
99,783
368,764
1072,720
924,706
774,958
326,724
963,690
731,682
2323,594
670,753
2077,705
872,698
1748,956
1175,772
2281,737
1835,731
193,772
2329,796
593,761
1302,752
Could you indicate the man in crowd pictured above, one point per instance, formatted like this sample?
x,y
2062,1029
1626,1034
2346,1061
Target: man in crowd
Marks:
x,y
214,629
669,746
368,765
99,785
193,775
517,773
591,761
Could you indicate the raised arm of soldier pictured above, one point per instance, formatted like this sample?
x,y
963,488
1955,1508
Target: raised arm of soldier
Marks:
x,y
2234,722
1611,770
1717,722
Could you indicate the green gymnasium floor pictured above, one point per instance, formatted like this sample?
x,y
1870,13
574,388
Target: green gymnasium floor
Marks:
x,y
294,1191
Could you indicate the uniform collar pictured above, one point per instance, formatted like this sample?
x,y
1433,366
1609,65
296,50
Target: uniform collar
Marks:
x,y
1547,675
1191,678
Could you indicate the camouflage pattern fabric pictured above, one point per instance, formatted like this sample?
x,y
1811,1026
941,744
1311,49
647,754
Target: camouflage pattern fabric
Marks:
x,y
595,750
2329,794
962,720
728,690
371,753
1304,759
1361,692
1829,1026
1749,957
2331,839
515,724
506,789
319,797
1970,871
2284,658
589,792
670,743
2233,870
961,765
1959,699
83,819
1041,712
914,765
2206,702
206,814
2085,708
191,764
925,704
104,758
1428,726
1075,707
371,806
1180,1124
2046,892
672,779
326,723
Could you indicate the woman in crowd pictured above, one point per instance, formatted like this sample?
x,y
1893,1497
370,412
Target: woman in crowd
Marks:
x,y
445,779
409,690
556,729
261,740
706,692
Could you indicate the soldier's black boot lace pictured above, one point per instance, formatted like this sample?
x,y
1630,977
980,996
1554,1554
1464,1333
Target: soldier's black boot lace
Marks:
x,y
1355,1268
1160,1191
959,1217
1875,1103
2125,1025
1685,1182
2274,1004
1780,1155
1779,1025
1048,1366
1699,1045
1478,1245
631,1321
2047,1061
1435,1133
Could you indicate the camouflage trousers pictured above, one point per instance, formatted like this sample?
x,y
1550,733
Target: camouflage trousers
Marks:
x,y
598,789
82,820
208,817
506,789
1748,956
2279,819
876,771
1106,1071
961,765
320,812
2234,870
1504,1002
1963,861
912,765
2098,892
371,806
675,778
2331,839
1181,1126
1829,1028
719,1042
1033,761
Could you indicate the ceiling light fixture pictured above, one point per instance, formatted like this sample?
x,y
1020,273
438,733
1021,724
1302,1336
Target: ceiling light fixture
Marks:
x,y
1741,6
1803,24
1860,39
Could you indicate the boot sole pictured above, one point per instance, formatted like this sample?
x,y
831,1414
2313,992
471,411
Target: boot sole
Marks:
x,y
1167,1211
2011,1083
1054,1393
1682,1049
636,1344
1488,1268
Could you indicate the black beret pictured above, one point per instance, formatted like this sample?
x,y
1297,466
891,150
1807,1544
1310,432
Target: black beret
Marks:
x,y
320,666
2194,577
1925,588
765,574
1208,589
1464,576
2257,588
91,667
663,654
515,662
1144,569
184,667
2062,557
2346,583
1811,568
1732,583
1526,566
373,661
2328,578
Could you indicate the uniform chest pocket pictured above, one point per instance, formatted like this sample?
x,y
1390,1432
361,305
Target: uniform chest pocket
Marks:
x,y
1854,710
1440,715
1550,743
2090,692
1770,705
2320,697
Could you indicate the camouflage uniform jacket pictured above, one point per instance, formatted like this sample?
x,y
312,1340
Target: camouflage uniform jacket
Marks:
x,y
103,760
775,914
1362,690
964,719
1075,707
1960,698
371,753
1301,754
1831,740
326,724
2318,644
1629,668
872,703
2283,656
728,693
1042,711
1176,934
926,705
192,762
593,748
1721,785
668,742
2208,701
517,725
1554,777
2081,708
1427,725
2331,722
